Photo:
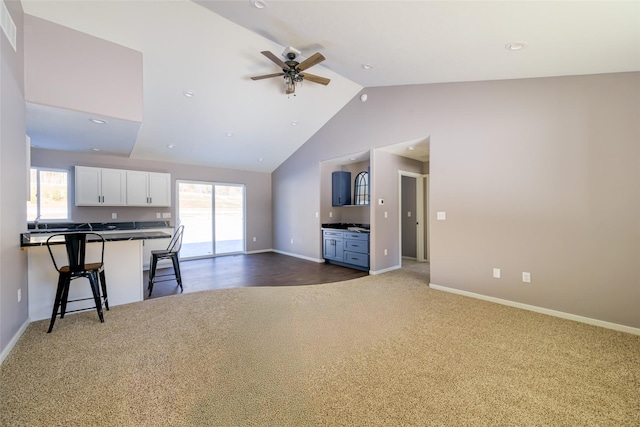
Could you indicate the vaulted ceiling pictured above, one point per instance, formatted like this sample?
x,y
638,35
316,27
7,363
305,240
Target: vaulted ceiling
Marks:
x,y
212,48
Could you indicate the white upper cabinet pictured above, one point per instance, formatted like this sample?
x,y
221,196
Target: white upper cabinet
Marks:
x,y
148,189
100,186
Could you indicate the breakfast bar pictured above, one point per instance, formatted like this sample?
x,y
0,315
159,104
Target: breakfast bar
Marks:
x,y
123,261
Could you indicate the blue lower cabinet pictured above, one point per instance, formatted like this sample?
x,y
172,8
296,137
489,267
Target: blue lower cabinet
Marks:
x,y
333,249
355,258
346,248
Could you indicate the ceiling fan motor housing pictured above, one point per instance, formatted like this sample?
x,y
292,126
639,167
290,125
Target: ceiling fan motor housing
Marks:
x,y
291,50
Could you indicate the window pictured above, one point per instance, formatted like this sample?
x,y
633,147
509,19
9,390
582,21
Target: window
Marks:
x,y
49,195
361,189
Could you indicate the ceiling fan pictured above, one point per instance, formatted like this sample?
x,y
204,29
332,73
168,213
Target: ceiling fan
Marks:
x,y
292,70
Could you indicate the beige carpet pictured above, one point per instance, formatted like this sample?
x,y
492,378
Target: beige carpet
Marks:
x,y
380,350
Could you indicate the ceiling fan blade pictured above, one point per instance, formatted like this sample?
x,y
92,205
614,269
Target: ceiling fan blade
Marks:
x,y
275,59
267,76
314,59
315,79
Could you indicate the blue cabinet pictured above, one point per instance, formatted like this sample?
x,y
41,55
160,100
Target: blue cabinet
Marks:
x,y
333,245
340,188
346,248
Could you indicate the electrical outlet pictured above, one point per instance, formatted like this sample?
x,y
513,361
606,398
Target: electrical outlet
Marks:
x,y
19,294
166,215
158,215
386,214
316,214
409,214
330,214
292,241
114,215
526,277
385,252
496,273
254,238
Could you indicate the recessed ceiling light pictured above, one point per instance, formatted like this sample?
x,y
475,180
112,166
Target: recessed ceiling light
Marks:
x,y
367,66
188,93
229,134
516,45
98,121
260,159
364,97
260,4
96,149
171,146
411,148
294,123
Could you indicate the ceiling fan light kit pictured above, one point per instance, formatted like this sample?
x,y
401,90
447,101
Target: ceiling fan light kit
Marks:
x,y
292,70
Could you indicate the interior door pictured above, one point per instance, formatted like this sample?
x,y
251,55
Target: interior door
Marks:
x,y
409,219
414,209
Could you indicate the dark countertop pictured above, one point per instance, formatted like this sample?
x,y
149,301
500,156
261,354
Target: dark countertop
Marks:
x,y
358,228
49,227
40,239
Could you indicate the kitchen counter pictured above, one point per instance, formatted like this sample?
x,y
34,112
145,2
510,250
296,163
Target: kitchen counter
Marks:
x,y
40,239
51,227
125,251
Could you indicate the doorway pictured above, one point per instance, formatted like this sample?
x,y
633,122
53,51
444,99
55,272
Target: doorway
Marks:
x,y
214,218
413,224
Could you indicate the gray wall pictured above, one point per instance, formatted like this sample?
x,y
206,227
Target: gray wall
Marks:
x,y
73,70
13,188
385,184
258,190
536,175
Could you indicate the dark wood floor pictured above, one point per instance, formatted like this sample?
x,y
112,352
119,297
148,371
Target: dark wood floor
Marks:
x,y
235,271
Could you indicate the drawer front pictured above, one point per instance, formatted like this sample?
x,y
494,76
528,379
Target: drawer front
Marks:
x,y
337,234
356,246
356,258
356,236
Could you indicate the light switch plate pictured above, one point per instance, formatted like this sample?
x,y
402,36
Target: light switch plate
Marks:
x,y
496,273
441,216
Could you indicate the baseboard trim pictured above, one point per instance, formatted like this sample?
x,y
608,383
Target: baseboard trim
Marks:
x,y
259,251
384,270
13,341
319,261
555,313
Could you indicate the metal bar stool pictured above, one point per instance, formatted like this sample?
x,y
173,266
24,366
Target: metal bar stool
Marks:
x,y
172,252
76,245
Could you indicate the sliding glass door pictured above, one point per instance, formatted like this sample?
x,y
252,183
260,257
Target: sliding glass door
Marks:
x,y
213,218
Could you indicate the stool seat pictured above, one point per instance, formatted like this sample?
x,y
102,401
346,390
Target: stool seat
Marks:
x,y
76,245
